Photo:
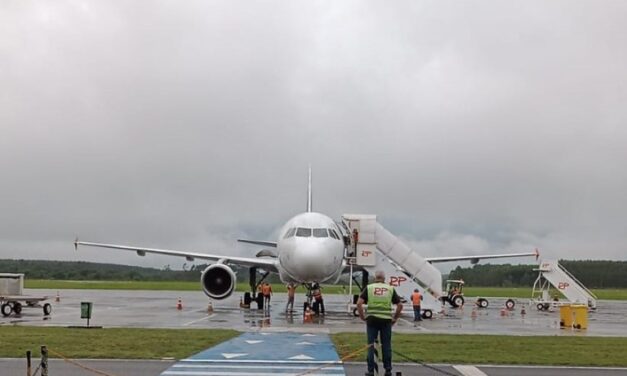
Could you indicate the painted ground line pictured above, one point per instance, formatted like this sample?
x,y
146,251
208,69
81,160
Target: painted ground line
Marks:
x,y
260,361
469,370
199,320
335,368
200,373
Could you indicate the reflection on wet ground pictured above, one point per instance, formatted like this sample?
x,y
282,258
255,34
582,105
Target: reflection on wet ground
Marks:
x,y
157,309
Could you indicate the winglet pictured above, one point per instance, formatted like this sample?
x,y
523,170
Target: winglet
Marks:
x,y
537,254
76,244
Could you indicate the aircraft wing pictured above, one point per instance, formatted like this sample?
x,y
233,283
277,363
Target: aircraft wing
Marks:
x,y
267,264
475,259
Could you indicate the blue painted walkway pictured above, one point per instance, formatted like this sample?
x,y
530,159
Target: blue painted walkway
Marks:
x,y
264,354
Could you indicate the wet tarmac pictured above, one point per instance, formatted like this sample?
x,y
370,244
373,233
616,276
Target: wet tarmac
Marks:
x,y
157,309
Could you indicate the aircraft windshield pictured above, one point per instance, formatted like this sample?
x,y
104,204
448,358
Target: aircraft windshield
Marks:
x,y
303,232
333,234
290,233
320,233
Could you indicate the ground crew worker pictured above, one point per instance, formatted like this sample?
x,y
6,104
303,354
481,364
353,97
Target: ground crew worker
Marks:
x,y
379,296
266,290
416,298
291,291
318,305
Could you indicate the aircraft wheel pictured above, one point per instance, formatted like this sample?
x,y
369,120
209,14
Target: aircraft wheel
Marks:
x,y
17,308
483,303
510,304
355,313
457,301
47,309
6,309
427,314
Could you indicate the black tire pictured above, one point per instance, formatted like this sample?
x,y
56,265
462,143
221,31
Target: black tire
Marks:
x,y
355,313
6,309
510,304
47,309
540,307
427,314
483,303
457,301
546,306
17,308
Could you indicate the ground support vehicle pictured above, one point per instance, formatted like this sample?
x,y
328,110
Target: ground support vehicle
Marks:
x,y
14,304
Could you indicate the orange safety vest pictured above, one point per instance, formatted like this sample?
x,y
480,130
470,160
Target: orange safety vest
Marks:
x,y
416,297
266,290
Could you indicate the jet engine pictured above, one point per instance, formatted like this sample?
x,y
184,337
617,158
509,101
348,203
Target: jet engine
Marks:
x,y
218,281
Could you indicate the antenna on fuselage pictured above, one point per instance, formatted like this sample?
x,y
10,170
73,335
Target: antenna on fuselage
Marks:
x,y
309,192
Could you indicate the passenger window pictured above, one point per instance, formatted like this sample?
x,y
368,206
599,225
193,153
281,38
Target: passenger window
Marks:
x,y
303,232
320,233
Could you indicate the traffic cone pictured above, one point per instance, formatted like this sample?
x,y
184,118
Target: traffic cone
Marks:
x,y
179,304
209,308
58,298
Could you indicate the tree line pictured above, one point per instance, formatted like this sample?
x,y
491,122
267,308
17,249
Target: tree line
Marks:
x,y
592,273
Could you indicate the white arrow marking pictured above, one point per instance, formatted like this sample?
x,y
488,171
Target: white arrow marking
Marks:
x,y
230,355
304,343
301,357
253,342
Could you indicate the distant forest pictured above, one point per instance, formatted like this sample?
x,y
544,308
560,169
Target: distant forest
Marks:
x,y
592,273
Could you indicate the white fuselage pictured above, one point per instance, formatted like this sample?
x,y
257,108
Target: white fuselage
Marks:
x,y
310,249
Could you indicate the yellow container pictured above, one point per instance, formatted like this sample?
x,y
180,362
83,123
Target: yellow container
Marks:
x,y
580,315
566,316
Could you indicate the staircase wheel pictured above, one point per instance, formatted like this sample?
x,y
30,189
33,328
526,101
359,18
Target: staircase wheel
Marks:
x,y
510,304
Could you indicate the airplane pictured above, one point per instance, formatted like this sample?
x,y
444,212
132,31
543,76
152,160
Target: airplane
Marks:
x,y
310,251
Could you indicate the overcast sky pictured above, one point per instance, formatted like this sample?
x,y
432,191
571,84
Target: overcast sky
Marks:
x,y
467,127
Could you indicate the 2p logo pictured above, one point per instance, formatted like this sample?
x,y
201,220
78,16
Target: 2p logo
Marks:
x,y
396,281
378,291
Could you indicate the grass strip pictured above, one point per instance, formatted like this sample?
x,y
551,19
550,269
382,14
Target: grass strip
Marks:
x,y
114,343
491,349
510,292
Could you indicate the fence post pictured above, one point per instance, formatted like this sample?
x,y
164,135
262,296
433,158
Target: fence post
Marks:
x,y
28,365
44,361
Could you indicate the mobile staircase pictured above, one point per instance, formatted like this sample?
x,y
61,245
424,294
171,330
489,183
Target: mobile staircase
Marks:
x,y
372,248
551,273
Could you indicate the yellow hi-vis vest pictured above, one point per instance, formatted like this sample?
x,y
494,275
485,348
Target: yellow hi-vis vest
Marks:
x,y
380,300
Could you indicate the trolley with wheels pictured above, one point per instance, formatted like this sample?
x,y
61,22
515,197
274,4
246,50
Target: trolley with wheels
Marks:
x,y
14,304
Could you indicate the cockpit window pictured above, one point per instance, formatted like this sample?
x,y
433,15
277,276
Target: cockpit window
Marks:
x,y
333,234
290,233
303,232
320,233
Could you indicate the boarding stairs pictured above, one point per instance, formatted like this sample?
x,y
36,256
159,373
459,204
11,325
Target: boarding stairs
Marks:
x,y
375,248
556,275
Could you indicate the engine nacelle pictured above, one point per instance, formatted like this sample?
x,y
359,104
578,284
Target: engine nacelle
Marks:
x,y
218,281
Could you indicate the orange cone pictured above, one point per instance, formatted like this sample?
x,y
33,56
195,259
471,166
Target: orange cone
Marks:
x,y
58,298
210,308
179,304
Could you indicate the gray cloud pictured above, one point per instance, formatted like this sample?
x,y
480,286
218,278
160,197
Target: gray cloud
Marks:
x,y
467,127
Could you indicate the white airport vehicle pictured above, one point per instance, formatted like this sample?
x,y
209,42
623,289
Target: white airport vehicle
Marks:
x,y
313,249
551,273
12,298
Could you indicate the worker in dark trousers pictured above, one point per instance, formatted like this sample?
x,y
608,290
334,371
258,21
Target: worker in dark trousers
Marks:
x,y
416,299
318,301
379,296
266,290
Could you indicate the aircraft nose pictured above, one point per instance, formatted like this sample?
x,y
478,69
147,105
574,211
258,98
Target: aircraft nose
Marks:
x,y
311,262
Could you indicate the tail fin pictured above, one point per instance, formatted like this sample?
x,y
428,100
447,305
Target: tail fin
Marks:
x,y
309,198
